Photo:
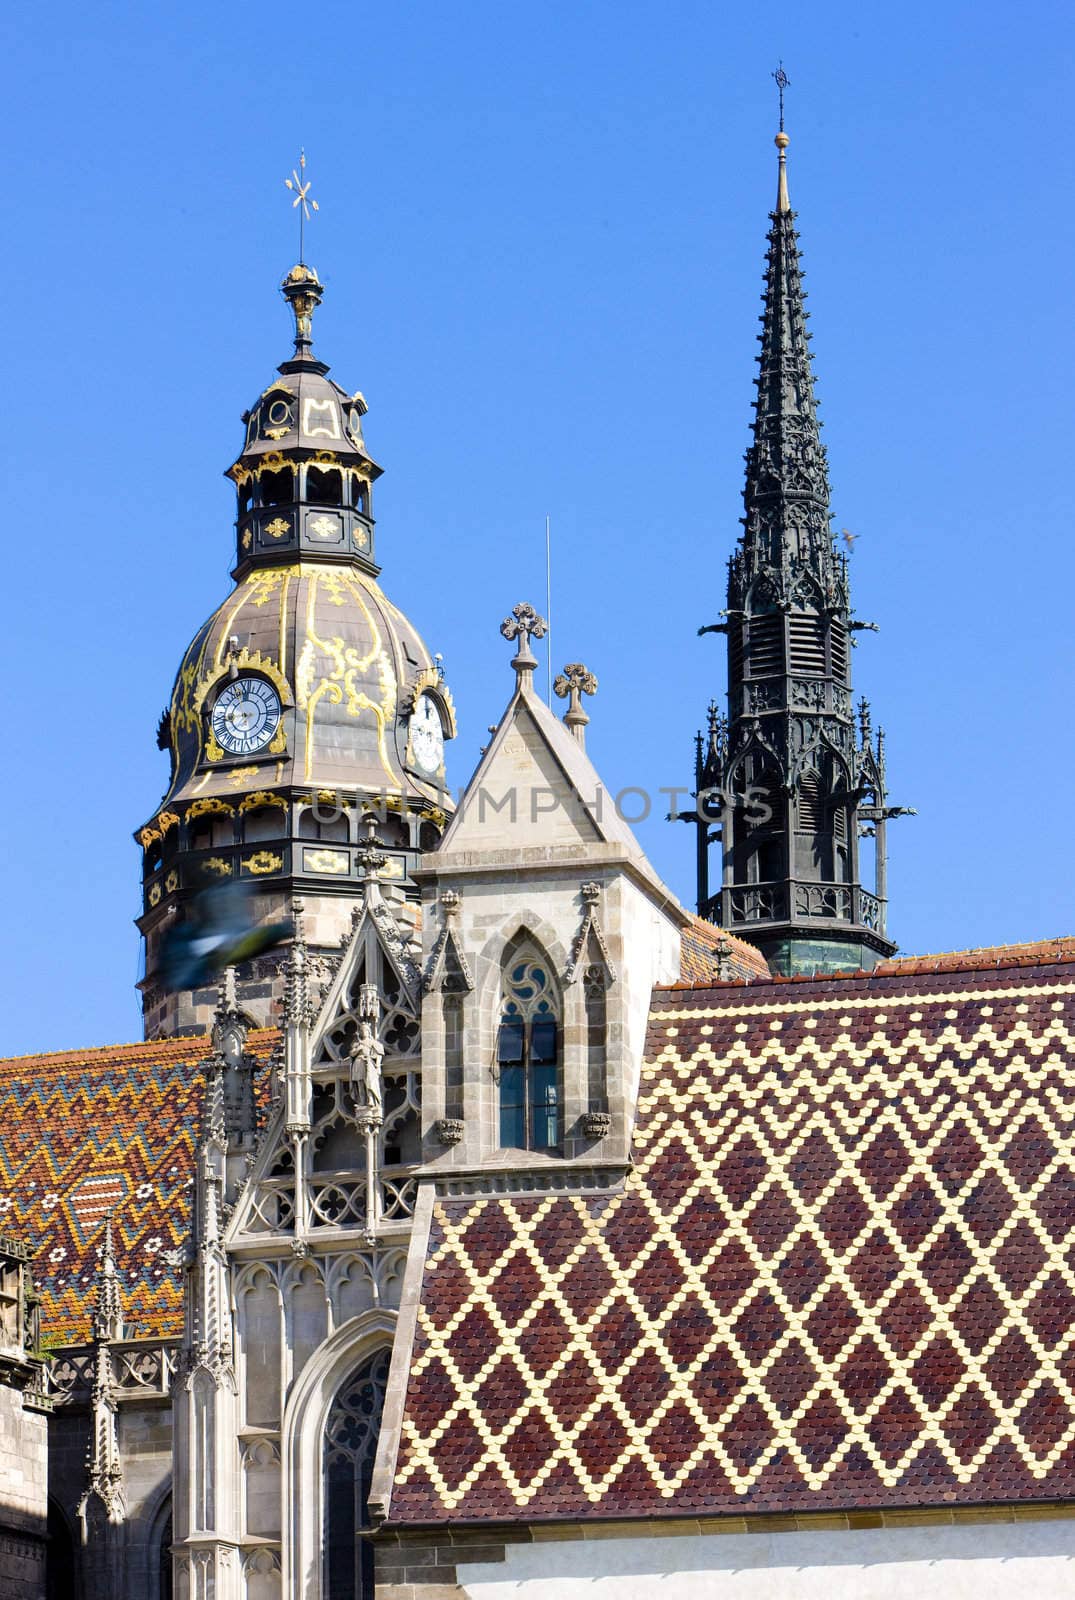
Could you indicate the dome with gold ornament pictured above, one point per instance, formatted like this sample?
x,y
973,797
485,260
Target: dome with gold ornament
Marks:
x,y
307,683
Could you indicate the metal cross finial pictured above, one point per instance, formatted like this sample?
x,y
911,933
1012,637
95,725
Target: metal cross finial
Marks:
x,y
781,80
524,624
571,685
299,184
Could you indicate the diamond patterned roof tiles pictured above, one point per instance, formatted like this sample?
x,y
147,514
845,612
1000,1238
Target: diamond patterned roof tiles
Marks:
x,y
841,1274
88,1131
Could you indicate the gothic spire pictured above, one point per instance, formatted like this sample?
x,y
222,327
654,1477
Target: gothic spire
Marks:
x,y
784,788
786,497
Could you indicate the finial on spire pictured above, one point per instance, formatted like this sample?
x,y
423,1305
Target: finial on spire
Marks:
x,y
303,203
524,624
302,290
571,685
782,141
781,79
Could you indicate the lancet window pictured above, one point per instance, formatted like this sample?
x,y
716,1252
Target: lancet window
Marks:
x,y
350,1444
528,1054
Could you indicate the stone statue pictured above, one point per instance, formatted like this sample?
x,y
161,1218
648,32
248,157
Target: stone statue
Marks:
x,y
366,1057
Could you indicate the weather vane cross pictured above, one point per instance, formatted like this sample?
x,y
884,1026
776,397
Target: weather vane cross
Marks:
x,y
303,203
781,80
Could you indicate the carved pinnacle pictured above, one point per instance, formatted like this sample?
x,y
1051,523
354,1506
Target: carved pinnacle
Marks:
x,y
571,685
524,624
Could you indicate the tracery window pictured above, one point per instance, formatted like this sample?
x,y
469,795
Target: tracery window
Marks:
x,y
528,1055
350,1445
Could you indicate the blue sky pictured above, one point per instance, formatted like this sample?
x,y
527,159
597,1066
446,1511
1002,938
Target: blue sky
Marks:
x,y
541,234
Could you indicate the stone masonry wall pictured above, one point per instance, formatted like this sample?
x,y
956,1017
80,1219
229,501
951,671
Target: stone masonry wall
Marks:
x,y
23,1491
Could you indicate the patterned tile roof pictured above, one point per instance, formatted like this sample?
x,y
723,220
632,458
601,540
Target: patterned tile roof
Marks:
x,y
842,1272
699,954
86,1131
1032,954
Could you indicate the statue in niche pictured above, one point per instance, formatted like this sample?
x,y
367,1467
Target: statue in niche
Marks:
x,y
367,1053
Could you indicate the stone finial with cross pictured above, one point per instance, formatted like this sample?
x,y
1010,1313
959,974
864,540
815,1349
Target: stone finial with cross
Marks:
x,y
523,625
571,685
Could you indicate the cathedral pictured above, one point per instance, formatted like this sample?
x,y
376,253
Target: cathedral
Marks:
x,y
489,1223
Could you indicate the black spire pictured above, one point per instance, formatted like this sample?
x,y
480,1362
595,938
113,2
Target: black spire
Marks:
x,y
790,788
787,488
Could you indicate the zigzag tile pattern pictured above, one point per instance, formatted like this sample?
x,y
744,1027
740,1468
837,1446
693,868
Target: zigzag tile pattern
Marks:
x,y
842,1273
84,1132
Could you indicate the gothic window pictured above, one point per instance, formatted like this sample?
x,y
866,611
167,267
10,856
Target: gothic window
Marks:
x,y
594,981
452,1004
528,1055
759,822
164,1582
350,1445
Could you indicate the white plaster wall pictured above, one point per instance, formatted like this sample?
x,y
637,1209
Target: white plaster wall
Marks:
x,y
986,1561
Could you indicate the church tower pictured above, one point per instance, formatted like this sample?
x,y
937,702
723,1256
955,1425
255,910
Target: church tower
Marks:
x,y
792,779
306,700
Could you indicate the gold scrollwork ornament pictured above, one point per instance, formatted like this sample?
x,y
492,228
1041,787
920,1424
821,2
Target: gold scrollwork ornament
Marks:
x,y
211,803
334,861
263,861
261,797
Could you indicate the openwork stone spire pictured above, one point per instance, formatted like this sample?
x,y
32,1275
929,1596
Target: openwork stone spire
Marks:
x,y
786,787
786,498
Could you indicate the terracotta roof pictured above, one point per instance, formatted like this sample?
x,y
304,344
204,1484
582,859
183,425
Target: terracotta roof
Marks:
x,y
842,1273
998,955
86,1131
698,957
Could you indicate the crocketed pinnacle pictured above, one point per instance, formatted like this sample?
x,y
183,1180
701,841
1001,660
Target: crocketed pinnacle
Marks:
x,y
108,1313
786,497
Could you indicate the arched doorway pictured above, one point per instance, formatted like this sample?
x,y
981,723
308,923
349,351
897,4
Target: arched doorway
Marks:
x,y
60,1575
351,1431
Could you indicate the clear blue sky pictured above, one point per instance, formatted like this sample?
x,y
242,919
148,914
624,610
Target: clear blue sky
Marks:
x,y
542,233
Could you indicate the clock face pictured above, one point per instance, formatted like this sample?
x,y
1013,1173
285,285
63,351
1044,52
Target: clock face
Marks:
x,y
427,736
245,716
